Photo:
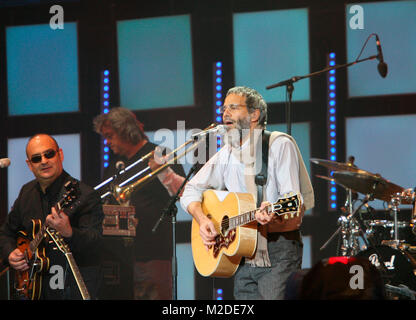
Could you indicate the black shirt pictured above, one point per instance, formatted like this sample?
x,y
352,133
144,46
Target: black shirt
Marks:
x,y
86,221
149,202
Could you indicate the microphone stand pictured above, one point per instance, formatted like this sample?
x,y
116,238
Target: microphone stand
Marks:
x,y
290,88
172,210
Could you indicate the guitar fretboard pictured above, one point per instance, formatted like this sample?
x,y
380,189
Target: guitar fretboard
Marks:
x,y
250,216
78,277
242,219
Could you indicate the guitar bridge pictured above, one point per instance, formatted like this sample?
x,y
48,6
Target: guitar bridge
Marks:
x,y
223,242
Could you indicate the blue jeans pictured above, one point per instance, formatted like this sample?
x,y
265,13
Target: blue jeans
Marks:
x,y
269,283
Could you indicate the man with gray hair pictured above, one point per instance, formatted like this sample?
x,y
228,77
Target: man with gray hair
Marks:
x,y
279,243
153,251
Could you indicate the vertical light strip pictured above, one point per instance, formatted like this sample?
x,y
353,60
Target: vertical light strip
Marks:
x,y
218,98
218,95
105,108
332,137
218,294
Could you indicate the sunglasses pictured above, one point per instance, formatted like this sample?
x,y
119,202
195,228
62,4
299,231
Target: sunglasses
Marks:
x,y
49,154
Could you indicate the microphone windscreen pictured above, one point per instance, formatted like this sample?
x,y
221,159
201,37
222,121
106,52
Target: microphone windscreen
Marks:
x,y
382,69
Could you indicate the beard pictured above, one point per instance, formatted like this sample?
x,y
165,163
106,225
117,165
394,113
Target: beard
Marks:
x,y
237,135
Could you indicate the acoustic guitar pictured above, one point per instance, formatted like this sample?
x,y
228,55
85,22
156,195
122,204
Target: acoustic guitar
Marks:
x,y
28,284
233,215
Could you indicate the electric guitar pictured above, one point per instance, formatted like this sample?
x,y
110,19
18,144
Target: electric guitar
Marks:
x,y
234,219
28,284
63,247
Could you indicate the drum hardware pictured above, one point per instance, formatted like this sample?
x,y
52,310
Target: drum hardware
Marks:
x,y
351,227
395,202
395,258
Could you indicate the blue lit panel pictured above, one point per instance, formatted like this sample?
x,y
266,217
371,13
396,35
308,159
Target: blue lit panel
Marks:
x,y
395,24
19,173
42,69
301,133
186,278
272,46
307,252
155,62
381,145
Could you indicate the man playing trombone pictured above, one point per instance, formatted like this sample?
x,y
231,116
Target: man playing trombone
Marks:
x,y
153,251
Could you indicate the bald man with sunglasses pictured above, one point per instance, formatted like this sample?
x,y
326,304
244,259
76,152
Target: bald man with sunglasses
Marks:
x,y
81,228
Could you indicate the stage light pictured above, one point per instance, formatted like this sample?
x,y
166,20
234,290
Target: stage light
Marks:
x,y
331,125
217,94
105,104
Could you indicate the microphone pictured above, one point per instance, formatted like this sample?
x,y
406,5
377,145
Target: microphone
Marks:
x,y
220,129
120,165
4,163
382,66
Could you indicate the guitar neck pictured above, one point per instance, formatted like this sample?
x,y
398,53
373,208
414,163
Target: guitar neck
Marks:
x,y
78,277
282,206
37,239
34,244
243,218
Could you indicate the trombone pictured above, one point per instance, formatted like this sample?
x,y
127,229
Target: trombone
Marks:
x,y
123,191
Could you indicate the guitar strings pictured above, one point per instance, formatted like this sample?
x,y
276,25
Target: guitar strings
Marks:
x,y
224,223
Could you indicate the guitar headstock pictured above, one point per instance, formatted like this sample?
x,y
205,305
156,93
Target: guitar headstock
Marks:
x,y
69,199
289,206
70,194
58,240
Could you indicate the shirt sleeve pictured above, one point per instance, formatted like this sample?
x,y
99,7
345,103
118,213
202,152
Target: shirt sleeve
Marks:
x,y
285,164
210,176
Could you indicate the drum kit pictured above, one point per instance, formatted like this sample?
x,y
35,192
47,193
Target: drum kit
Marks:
x,y
388,243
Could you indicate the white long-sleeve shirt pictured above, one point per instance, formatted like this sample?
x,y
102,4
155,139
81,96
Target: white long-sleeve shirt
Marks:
x,y
224,171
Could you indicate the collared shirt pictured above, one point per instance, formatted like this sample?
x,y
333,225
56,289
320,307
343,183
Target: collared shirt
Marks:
x,y
224,171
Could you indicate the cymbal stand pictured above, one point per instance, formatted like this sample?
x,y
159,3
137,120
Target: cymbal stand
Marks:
x,y
349,230
395,202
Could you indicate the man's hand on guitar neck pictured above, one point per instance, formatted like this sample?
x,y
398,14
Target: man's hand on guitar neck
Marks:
x,y
262,216
60,222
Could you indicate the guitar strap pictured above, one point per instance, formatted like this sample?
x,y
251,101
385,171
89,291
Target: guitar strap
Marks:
x,y
261,178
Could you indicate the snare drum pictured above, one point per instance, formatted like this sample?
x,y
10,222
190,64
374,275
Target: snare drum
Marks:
x,y
399,268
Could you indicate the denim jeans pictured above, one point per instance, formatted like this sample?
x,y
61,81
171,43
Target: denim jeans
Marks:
x,y
269,283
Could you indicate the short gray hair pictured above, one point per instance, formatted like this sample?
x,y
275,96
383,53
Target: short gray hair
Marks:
x,y
254,100
123,122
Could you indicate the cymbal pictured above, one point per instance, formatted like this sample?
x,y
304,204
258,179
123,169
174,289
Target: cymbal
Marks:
x,y
368,183
337,166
